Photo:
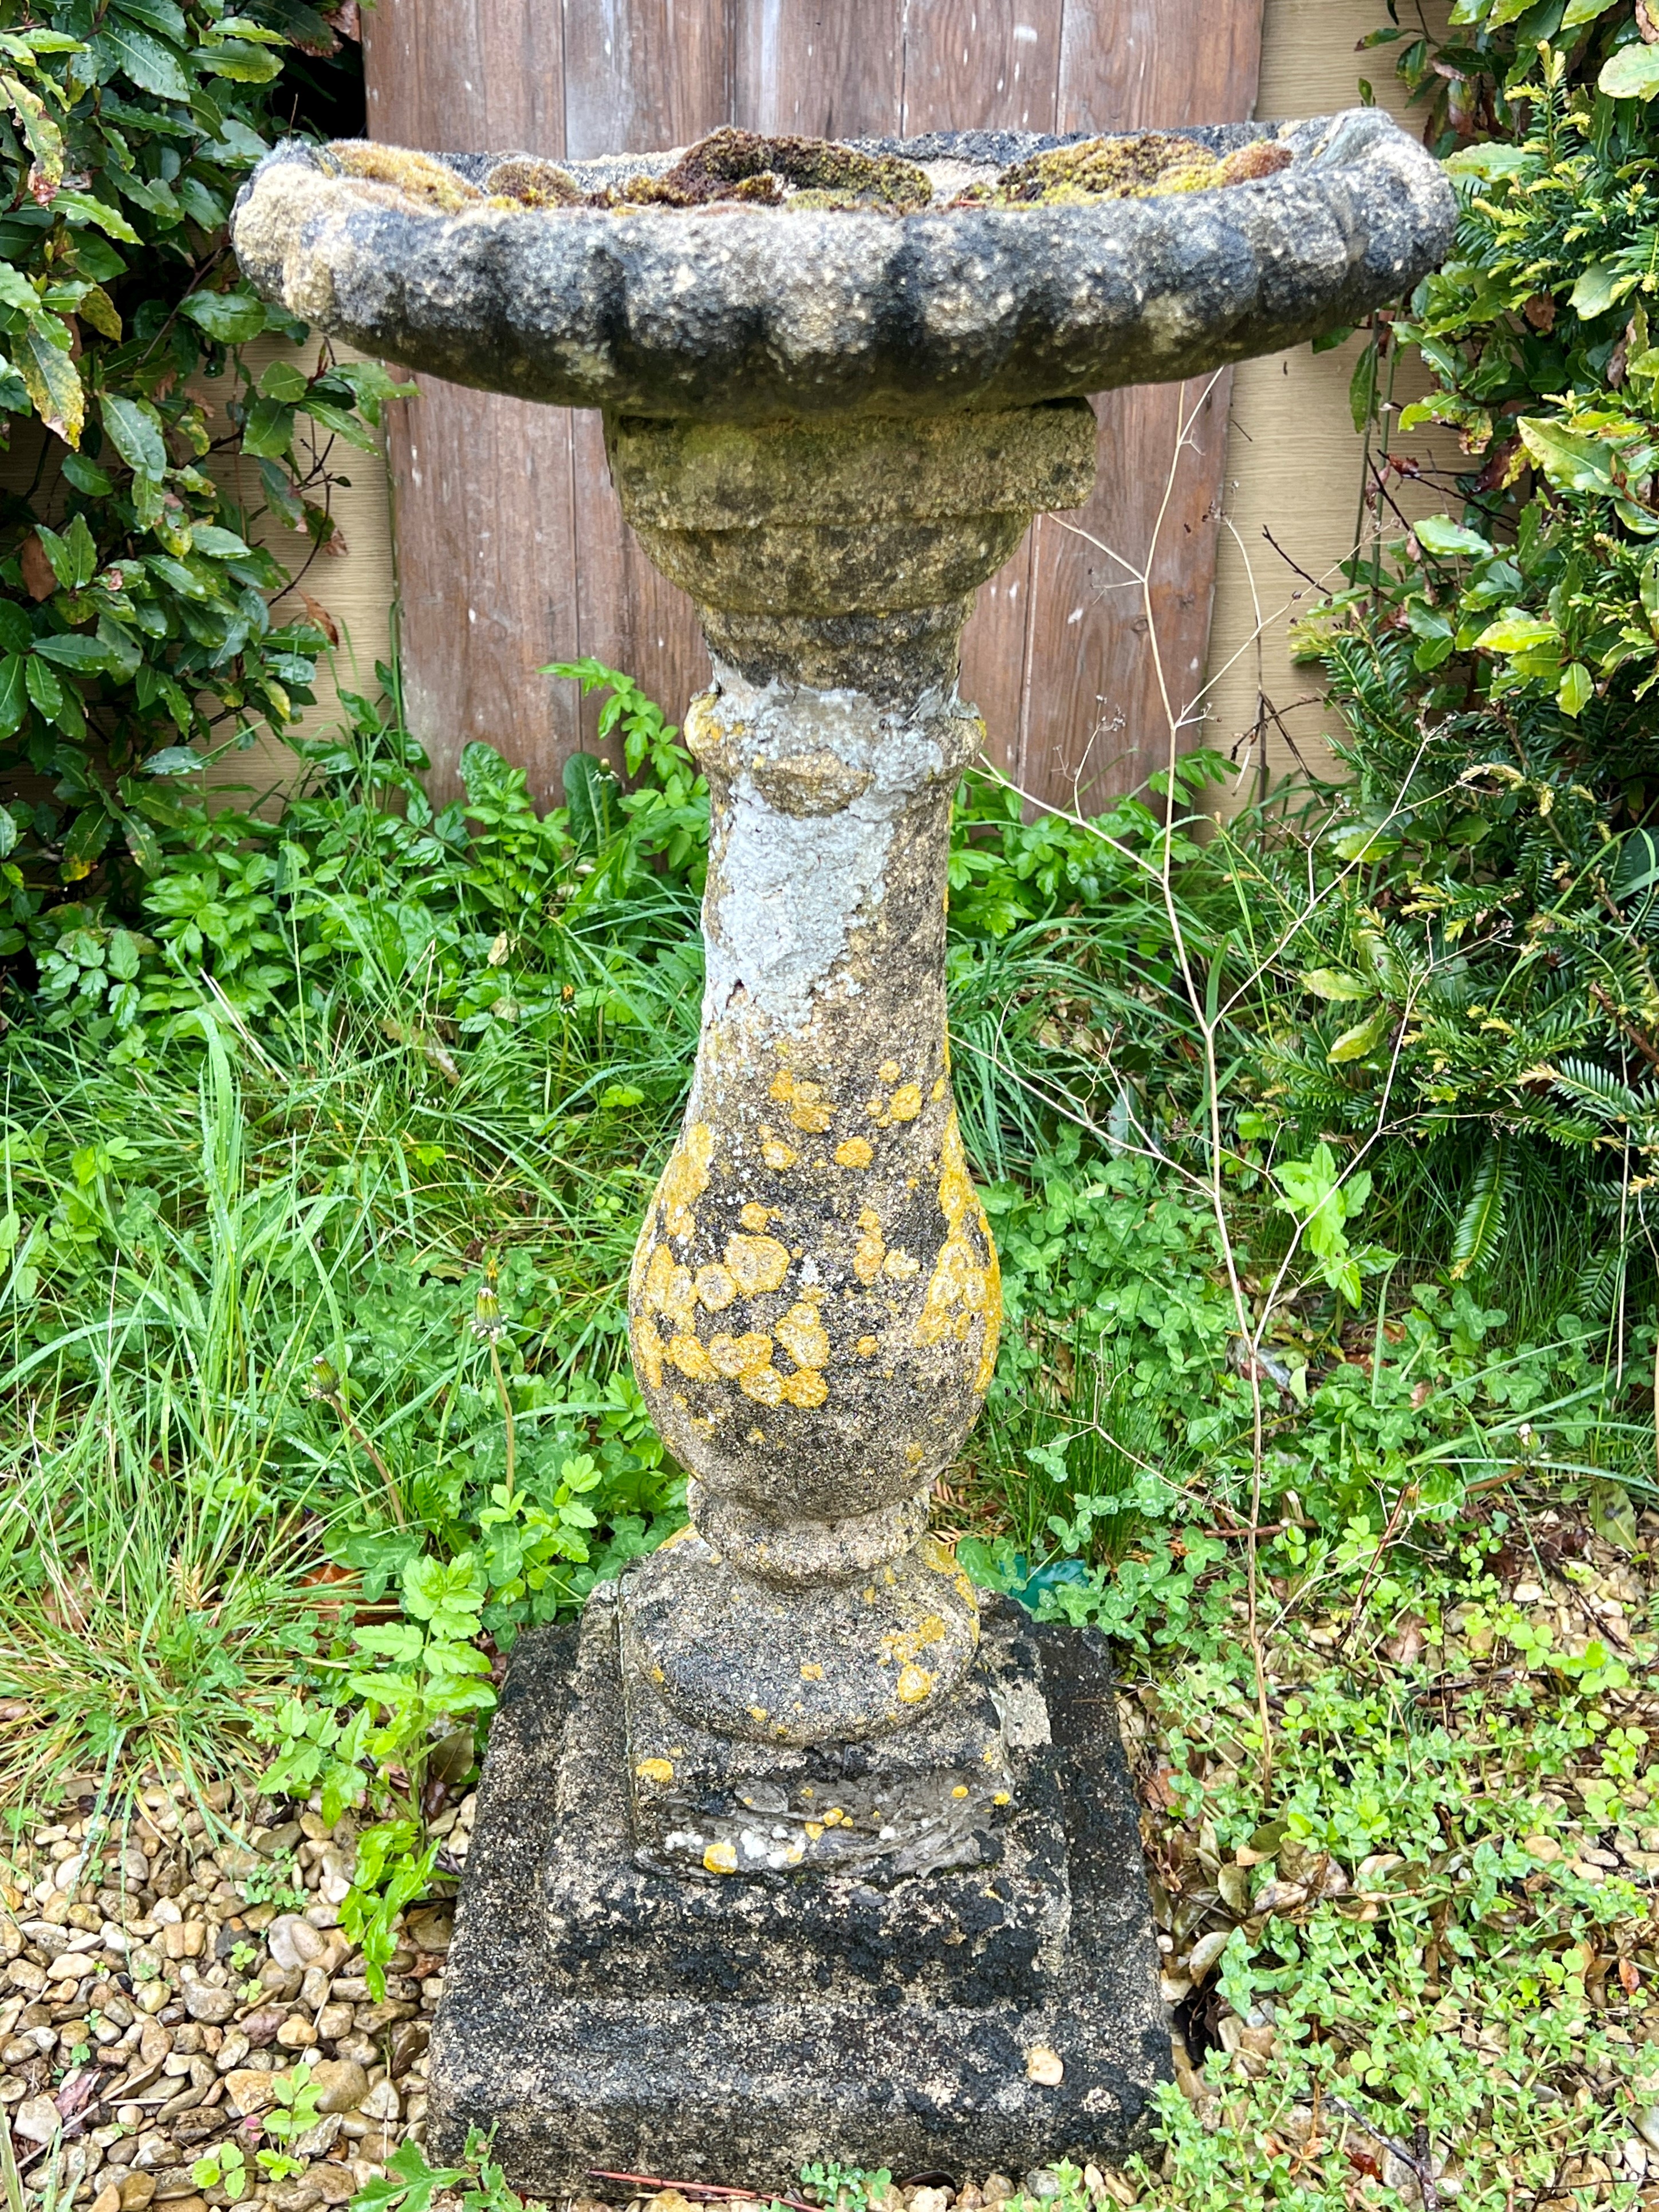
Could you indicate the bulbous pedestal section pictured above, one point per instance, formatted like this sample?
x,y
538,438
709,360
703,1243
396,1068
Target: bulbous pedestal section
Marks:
x,y
814,1302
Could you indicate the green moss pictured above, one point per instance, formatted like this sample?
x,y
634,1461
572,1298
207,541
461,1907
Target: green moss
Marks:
x,y
741,165
432,183
533,184
1144,166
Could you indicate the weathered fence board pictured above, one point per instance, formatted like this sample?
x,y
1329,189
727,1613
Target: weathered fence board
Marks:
x,y
511,548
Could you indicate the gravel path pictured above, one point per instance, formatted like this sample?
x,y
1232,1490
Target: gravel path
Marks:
x,y
158,1976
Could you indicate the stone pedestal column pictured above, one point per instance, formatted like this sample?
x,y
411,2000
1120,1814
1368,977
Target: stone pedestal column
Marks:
x,y
814,1301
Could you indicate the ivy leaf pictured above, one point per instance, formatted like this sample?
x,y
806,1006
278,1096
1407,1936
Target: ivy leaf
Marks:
x,y
51,380
153,67
134,431
13,695
1631,74
229,318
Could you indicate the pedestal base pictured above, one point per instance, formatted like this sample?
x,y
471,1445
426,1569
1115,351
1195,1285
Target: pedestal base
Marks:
x,y
603,2009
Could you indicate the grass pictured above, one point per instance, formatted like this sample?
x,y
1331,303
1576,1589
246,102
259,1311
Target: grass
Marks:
x,y
314,1356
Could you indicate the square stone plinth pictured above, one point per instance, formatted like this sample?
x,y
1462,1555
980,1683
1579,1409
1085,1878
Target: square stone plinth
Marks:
x,y
606,2006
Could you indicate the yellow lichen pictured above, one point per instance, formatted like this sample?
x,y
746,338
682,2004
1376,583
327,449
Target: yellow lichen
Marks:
x,y
809,1109
960,1789
853,1152
715,1286
776,1154
870,1248
905,1104
867,1348
735,1356
648,1350
890,1070
755,1216
901,1266
685,1179
964,1286
913,1685
660,1771
802,1335
765,1386
815,1829
806,1389
1000,1797
720,1858
811,1671
690,1357
758,1264
938,1090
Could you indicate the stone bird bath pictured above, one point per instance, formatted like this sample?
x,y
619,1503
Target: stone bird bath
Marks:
x,y
806,1850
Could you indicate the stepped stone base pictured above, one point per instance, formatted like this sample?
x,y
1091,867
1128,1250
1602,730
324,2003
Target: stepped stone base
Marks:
x,y
607,2006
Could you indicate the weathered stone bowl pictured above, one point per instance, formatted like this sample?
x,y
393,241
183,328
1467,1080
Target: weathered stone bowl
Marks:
x,y
740,312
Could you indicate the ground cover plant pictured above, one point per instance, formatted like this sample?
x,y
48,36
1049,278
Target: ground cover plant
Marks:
x,y
1318,1151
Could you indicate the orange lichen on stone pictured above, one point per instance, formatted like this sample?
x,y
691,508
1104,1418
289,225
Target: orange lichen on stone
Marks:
x,y
758,1264
853,1152
867,1348
755,1216
660,1771
905,1104
805,1390
913,1685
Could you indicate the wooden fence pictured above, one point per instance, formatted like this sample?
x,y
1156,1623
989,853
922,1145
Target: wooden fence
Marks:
x,y
511,549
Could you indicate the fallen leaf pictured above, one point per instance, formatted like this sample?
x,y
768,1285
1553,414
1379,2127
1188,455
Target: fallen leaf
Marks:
x,y
38,578
320,615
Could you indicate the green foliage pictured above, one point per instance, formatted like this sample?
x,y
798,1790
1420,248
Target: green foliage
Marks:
x,y
143,630
391,1871
408,2183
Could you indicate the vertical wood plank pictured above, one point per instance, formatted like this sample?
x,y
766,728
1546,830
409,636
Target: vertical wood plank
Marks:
x,y
970,65
481,484
1094,722
638,73
819,69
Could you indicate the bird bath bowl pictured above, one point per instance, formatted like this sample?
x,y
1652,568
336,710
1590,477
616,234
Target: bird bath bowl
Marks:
x,y
807,1849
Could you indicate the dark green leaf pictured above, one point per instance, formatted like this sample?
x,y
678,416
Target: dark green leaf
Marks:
x,y
156,15
231,317
269,431
15,634
135,432
14,698
122,50
86,656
